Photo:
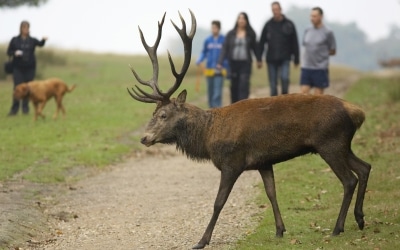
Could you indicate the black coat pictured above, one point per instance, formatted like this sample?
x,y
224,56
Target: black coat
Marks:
x,y
229,42
27,45
281,38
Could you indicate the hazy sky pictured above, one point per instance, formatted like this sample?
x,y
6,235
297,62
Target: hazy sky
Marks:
x,y
111,26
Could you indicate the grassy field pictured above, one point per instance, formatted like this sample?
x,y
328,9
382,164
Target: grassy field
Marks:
x,y
100,123
310,195
101,117
101,129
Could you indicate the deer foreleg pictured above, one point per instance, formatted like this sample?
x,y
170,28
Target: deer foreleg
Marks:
x,y
228,179
269,184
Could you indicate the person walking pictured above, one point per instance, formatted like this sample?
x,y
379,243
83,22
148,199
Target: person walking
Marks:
x,y
280,35
239,46
319,44
215,77
22,49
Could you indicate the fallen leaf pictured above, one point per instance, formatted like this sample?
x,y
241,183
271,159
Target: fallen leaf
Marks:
x,y
295,242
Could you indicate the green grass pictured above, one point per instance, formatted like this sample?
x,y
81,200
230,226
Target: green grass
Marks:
x,y
310,195
101,117
394,90
100,123
101,128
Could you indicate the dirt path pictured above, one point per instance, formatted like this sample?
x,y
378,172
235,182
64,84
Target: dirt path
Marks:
x,y
157,199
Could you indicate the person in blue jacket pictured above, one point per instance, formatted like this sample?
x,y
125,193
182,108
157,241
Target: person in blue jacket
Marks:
x,y
215,77
22,50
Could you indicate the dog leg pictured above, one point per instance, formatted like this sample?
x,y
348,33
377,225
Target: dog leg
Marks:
x,y
40,109
59,106
36,105
57,109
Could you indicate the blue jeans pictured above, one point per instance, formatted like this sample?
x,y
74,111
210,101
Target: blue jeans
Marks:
x,y
214,88
279,68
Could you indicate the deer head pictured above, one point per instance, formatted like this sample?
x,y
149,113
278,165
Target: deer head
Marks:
x,y
166,117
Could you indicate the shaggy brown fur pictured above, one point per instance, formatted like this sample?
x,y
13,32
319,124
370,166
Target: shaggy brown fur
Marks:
x,y
39,92
256,134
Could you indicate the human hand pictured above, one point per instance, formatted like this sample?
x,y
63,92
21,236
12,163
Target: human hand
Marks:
x,y
18,52
218,66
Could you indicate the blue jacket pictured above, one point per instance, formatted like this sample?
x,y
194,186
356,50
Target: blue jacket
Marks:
x,y
211,50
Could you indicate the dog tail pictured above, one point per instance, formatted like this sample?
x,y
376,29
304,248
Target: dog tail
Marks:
x,y
72,87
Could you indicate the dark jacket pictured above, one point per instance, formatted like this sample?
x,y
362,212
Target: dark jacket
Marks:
x,y
281,38
28,59
229,42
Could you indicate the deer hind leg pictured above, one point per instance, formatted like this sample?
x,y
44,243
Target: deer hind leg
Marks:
x,y
337,160
269,184
228,179
362,170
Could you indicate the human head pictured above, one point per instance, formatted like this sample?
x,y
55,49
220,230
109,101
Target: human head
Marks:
x,y
242,21
215,27
24,28
276,10
316,16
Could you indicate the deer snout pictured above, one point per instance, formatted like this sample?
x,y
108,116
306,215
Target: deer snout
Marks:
x,y
143,140
147,140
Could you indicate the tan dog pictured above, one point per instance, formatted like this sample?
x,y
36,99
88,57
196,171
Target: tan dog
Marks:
x,y
39,92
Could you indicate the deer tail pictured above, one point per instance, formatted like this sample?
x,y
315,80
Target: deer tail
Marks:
x,y
356,114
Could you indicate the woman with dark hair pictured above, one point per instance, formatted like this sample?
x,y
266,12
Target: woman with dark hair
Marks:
x,y
239,46
22,49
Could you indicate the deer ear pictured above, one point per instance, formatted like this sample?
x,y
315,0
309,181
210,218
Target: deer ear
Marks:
x,y
181,99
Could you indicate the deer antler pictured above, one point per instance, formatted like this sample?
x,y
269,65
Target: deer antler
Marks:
x,y
157,95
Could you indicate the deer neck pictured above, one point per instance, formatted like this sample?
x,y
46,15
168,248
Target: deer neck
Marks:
x,y
192,134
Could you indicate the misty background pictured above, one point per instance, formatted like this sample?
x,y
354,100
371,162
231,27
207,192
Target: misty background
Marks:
x,y
354,47
366,31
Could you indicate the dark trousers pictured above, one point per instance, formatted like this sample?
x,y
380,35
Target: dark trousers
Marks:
x,y
21,76
240,72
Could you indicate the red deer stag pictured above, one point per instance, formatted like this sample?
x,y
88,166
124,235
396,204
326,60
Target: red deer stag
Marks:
x,y
253,134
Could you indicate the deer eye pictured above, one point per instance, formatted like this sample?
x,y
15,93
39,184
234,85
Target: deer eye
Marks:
x,y
163,116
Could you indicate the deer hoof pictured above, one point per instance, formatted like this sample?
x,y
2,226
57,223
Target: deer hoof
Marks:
x,y
360,221
279,232
336,232
360,224
199,246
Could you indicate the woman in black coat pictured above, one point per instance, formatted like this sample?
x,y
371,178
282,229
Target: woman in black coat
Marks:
x,y
22,49
239,46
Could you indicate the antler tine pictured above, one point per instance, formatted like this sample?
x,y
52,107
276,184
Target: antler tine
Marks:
x,y
187,43
139,97
157,95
